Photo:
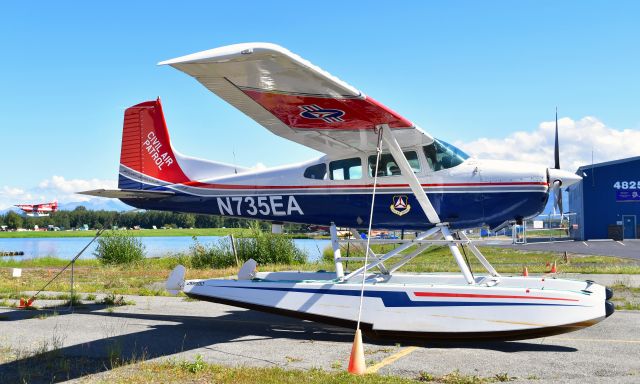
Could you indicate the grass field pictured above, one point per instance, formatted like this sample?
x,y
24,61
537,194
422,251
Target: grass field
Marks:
x,y
199,371
47,362
141,278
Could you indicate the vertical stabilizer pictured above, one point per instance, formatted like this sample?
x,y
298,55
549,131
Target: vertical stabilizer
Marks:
x,y
146,156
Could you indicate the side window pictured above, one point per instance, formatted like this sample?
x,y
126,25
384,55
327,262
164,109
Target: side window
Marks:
x,y
412,157
318,172
432,157
388,165
347,169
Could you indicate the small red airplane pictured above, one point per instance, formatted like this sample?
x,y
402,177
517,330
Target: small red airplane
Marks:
x,y
39,210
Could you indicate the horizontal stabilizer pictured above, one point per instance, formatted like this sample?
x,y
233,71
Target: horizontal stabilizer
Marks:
x,y
128,193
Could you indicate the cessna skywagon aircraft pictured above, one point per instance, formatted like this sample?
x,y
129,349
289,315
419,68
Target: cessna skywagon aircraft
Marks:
x,y
39,210
417,182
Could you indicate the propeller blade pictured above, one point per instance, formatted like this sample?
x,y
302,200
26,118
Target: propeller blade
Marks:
x,y
560,208
557,194
557,147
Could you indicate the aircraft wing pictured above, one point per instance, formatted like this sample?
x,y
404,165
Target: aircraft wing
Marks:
x,y
128,193
295,99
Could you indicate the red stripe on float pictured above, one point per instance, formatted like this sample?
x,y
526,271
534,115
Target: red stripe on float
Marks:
x,y
479,296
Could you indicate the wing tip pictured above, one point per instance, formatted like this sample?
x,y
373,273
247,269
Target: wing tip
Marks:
x,y
226,52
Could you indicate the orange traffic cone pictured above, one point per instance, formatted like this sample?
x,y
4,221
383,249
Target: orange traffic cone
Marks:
x,y
554,268
25,303
525,272
357,366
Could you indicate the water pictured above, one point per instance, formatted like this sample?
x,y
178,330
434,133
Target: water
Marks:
x,y
68,247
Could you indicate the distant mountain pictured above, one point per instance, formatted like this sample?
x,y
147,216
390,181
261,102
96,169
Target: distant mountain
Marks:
x,y
7,210
97,205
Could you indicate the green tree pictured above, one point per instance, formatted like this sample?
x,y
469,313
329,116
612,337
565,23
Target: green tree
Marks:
x,y
13,220
186,220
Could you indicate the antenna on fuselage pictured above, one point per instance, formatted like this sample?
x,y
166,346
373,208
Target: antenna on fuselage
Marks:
x,y
235,167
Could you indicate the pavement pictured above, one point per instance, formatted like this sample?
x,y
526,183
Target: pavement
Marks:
x,y
174,328
627,249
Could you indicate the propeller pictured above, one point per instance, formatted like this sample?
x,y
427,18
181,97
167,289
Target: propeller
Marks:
x,y
559,178
557,184
557,147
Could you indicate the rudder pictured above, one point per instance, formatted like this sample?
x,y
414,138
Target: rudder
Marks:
x,y
146,156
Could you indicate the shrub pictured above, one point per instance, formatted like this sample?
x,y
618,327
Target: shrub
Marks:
x,y
216,255
269,248
348,250
119,248
263,247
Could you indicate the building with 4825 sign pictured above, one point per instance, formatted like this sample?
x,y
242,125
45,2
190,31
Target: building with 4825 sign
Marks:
x,y
607,201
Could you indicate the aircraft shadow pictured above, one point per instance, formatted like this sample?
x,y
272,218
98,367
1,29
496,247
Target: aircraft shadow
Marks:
x,y
186,333
499,346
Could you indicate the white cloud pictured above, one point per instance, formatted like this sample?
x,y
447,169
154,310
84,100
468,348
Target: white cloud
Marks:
x,y
60,184
56,188
577,139
11,192
258,167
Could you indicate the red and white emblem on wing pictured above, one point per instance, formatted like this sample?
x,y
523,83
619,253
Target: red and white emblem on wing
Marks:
x,y
313,111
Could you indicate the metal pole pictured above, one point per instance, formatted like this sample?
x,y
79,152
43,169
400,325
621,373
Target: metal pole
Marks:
x,y
69,264
233,249
71,297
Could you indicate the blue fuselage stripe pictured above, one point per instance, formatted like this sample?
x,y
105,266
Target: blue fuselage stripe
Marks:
x,y
395,299
471,209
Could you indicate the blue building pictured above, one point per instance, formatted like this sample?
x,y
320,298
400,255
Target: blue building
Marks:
x,y
607,201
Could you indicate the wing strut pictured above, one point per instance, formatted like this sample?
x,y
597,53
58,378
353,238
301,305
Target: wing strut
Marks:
x,y
423,199
407,172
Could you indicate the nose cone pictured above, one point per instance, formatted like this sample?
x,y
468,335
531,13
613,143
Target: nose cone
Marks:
x,y
566,178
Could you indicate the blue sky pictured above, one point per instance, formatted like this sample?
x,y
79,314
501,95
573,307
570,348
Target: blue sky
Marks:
x,y
470,72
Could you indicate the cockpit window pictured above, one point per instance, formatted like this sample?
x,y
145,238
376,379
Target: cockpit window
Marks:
x,y
442,155
388,165
318,172
347,169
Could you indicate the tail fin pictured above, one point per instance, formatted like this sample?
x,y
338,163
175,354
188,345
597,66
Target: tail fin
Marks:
x,y
146,156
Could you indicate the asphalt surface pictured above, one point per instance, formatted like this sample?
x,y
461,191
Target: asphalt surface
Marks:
x,y
627,249
170,327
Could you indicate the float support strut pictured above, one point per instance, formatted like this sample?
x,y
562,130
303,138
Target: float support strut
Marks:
x,y
455,251
336,251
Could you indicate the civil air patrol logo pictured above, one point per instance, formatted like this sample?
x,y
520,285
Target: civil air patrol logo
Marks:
x,y
313,111
400,205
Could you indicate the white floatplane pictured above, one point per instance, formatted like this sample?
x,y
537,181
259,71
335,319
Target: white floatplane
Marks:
x,y
380,171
